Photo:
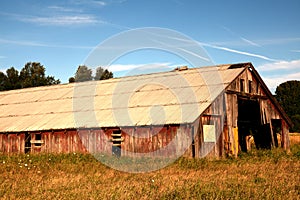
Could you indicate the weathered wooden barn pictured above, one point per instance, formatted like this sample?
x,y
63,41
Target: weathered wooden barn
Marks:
x,y
198,111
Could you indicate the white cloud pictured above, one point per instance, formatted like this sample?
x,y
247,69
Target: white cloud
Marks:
x,y
89,2
126,67
63,20
273,81
136,69
3,70
273,78
63,9
281,65
100,3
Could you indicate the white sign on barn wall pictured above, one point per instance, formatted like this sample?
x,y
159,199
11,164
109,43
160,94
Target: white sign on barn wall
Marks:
x,y
209,132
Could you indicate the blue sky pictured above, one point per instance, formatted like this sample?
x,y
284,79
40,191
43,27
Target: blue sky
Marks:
x,y
61,34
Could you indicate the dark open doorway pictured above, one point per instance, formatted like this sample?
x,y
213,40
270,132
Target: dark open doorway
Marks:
x,y
248,120
249,124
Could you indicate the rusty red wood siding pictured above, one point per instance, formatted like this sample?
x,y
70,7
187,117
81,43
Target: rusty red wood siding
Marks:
x,y
149,139
135,140
12,143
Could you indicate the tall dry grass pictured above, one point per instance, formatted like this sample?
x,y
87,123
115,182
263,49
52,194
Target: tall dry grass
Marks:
x,y
255,175
295,138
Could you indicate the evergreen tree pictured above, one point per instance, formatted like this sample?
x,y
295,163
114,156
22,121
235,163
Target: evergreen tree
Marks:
x,y
33,75
83,73
102,74
3,81
13,81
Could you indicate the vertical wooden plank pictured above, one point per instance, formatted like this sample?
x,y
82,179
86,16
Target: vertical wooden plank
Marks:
x,y
4,142
47,146
99,141
90,140
1,142
67,137
226,141
229,122
235,141
285,136
234,110
125,143
173,135
54,142
160,138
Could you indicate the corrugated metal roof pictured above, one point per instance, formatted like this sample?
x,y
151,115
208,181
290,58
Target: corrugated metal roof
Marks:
x,y
174,97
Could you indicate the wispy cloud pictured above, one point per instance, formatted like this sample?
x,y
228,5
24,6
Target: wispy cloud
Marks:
x,y
63,20
242,42
193,42
100,3
281,65
241,52
64,9
57,19
2,57
194,54
246,41
89,2
297,51
278,41
250,42
39,44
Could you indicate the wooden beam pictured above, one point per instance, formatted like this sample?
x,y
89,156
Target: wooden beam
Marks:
x,y
246,95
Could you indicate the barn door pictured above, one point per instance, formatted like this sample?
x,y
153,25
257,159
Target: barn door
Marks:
x,y
249,121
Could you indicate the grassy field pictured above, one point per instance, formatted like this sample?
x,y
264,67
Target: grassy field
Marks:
x,y
271,174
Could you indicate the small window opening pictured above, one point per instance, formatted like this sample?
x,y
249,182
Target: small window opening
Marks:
x,y
116,142
38,137
38,140
27,142
250,86
242,81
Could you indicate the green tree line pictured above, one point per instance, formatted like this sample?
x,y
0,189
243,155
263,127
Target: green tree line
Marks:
x,y
288,95
31,75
